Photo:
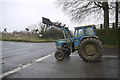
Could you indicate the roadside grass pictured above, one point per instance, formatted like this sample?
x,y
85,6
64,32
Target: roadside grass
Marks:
x,y
22,39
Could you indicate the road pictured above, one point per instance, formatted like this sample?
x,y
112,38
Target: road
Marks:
x,y
17,53
36,60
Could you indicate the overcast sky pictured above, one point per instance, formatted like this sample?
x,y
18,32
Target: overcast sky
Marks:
x,y
19,14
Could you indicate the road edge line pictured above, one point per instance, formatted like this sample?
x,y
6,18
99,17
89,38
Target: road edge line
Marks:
x,y
24,66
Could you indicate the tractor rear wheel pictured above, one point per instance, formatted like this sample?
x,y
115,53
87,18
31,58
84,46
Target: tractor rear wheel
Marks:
x,y
59,55
90,49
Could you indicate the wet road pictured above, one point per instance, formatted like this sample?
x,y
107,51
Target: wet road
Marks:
x,y
16,53
34,60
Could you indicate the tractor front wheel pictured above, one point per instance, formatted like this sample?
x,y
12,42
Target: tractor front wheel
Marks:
x,y
59,55
90,49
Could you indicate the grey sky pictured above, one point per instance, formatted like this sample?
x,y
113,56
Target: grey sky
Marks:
x,y
19,14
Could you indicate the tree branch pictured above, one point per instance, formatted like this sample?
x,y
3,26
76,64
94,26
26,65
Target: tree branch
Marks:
x,y
98,4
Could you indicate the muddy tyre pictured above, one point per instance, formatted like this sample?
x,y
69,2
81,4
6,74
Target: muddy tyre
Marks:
x,y
90,50
59,55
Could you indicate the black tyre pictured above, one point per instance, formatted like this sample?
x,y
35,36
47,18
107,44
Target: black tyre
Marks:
x,y
90,50
67,54
59,55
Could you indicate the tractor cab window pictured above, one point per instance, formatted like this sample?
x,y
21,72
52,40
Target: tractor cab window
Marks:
x,y
89,31
79,33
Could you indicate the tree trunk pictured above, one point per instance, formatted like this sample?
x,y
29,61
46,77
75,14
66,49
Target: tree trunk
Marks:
x,y
116,16
106,14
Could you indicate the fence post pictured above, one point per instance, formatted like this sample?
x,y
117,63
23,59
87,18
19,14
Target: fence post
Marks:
x,y
118,24
113,25
101,26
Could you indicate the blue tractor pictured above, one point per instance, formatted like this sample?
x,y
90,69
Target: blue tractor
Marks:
x,y
84,40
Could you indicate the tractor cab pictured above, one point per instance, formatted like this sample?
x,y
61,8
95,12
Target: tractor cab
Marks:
x,y
82,32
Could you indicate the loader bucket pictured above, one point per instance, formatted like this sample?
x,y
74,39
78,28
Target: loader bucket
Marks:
x,y
46,21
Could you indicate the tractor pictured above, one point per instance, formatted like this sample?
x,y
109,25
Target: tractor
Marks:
x,y
84,41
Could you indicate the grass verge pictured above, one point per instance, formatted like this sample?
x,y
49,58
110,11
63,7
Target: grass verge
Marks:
x,y
20,39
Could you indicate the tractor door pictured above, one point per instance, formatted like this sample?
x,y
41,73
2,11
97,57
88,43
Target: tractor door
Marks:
x,y
78,35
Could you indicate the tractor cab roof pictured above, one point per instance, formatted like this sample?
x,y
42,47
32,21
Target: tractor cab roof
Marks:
x,y
79,27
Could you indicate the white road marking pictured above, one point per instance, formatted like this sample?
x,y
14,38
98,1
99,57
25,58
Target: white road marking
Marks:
x,y
14,70
40,59
24,66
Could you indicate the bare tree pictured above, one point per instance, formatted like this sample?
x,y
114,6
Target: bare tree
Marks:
x,y
80,9
116,15
115,10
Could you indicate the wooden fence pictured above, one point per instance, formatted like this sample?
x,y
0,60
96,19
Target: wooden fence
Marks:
x,y
111,25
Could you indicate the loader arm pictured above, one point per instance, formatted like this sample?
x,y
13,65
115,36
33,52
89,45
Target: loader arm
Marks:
x,y
58,25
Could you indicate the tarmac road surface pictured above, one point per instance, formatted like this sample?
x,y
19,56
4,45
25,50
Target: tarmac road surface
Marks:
x,y
36,60
17,53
